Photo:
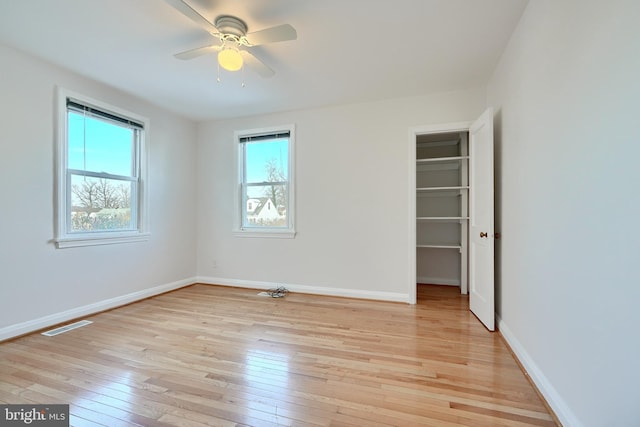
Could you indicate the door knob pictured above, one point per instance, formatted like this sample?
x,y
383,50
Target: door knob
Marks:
x,y
483,234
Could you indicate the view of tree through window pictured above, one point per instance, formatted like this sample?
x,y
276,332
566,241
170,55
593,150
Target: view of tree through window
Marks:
x,y
102,171
266,182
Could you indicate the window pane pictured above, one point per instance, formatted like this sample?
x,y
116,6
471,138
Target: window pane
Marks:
x,y
101,204
267,161
100,146
266,205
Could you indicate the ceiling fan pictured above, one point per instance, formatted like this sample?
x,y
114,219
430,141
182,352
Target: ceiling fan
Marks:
x,y
234,41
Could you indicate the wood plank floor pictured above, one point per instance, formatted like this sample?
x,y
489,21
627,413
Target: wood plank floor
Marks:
x,y
217,356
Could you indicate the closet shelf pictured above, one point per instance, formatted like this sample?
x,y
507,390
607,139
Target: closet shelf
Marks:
x,y
440,246
457,187
441,159
442,218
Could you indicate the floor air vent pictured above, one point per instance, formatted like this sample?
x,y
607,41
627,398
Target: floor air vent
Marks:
x,y
63,329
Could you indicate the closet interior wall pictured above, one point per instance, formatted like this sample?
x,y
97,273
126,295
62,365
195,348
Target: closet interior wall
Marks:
x,y
442,214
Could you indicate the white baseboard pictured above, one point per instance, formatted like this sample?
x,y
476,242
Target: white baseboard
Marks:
x,y
438,281
305,289
18,329
553,398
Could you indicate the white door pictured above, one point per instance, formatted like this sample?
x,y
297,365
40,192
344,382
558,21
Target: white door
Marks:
x,y
481,228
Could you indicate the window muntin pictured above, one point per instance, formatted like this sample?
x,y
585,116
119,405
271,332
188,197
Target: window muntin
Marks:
x,y
266,185
100,173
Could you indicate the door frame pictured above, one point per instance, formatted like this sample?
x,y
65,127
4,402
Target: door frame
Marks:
x,y
414,132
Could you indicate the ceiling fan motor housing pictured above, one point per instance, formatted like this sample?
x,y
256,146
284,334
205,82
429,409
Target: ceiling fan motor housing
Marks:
x,y
227,24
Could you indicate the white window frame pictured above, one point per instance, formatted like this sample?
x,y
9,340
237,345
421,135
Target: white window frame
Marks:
x,y
239,230
64,237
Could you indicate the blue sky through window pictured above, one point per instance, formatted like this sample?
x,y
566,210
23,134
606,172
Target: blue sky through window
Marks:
x,y
99,146
259,153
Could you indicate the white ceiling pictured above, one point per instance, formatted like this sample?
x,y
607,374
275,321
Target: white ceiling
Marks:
x,y
347,51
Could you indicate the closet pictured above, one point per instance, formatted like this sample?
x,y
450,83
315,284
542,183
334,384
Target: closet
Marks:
x,y
452,234
442,209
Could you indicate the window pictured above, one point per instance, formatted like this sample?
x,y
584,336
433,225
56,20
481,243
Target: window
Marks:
x,y
100,172
265,182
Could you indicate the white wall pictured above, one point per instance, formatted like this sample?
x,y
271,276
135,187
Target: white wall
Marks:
x,y
40,284
567,95
352,198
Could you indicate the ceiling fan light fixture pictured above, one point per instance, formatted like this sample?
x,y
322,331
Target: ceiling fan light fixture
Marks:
x,y
230,59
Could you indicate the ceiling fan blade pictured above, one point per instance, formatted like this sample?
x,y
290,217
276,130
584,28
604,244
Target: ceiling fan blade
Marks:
x,y
199,51
257,65
280,33
192,14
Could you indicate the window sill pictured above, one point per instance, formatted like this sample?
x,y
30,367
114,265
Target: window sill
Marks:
x,y
273,234
102,239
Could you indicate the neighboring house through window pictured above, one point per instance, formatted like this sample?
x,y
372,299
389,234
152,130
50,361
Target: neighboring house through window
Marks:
x,y
100,172
265,182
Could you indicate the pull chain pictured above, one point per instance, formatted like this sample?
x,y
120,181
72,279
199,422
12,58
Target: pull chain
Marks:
x,y
218,80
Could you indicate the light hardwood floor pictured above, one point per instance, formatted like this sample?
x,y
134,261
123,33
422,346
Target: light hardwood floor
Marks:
x,y
211,355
